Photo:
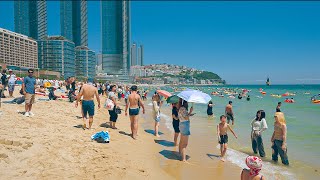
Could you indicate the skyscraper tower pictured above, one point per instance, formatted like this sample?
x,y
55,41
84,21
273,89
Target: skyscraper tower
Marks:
x,y
140,55
74,21
30,18
134,54
115,21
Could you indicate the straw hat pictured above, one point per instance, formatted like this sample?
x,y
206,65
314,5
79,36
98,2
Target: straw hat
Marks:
x,y
253,162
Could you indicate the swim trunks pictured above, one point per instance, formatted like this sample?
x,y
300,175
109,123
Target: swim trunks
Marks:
x,y
88,108
134,111
230,117
223,139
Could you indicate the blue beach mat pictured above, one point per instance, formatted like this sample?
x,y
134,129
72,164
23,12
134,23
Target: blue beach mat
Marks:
x,y
101,137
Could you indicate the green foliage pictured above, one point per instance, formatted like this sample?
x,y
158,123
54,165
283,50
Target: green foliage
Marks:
x,y
206,75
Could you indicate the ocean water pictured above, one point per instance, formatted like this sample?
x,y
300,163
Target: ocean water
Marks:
x,y
303,124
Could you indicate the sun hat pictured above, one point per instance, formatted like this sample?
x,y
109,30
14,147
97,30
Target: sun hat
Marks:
x,y
10,70
255,165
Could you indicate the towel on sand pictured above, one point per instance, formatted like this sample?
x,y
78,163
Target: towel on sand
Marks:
x,y
101,137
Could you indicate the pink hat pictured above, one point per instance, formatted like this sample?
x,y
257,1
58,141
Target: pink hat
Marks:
x,y
253,162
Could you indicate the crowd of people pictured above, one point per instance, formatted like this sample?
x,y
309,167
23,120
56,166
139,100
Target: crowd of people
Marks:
x,y
84,93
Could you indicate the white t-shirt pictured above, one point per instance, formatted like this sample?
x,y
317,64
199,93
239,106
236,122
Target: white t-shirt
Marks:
x,y
12,79
259,125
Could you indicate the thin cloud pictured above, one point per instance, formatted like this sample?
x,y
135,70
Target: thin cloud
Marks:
x,y
308,79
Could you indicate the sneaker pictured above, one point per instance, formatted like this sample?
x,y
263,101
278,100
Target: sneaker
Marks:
x,y
31,114
27,114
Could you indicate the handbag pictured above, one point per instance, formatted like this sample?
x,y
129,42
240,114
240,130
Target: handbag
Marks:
x,y
109,105
117,110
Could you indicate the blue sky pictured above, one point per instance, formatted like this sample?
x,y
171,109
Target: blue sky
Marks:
x,y
243,42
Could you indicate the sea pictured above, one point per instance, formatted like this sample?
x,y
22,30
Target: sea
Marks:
x,y
302,117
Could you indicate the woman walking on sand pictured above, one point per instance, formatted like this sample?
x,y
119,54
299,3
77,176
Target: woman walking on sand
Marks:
x,y
209,109
184,126
258,125
279,139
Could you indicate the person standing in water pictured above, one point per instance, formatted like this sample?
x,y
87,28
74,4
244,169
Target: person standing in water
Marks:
x,y
229,113
255,165
278,107
88,91
222,129
175,123
184,126
258,125
279,139
133,100
209,109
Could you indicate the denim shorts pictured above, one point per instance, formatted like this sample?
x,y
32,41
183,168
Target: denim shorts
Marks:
x,y
11,87
184,127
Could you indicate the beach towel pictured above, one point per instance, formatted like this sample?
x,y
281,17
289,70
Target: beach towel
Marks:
x,y
101,137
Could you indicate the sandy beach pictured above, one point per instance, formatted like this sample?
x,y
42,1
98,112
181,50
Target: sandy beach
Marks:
x,y
52,145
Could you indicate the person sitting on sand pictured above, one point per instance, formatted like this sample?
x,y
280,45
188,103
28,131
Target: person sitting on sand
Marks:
x,y
184,126
279,139
229,113
88,91
255,165
222,129
133,100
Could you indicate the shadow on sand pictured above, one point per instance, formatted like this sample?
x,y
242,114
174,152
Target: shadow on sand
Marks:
x,y
78,117
164,143
124,133
78,126
212,156
105,125
150,131
173,155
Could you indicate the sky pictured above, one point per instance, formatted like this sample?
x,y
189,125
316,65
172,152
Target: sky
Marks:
x,y
243,42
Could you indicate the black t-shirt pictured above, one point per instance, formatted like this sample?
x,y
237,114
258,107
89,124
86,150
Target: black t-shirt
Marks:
x,y
73,85
3,79
175,111
278,109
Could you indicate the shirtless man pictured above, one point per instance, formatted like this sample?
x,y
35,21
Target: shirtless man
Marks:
x,y
134,100
88,91
229,113
222,129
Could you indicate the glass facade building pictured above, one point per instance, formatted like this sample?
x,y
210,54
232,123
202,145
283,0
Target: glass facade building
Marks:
x,y
115,22
30,18
74,21
85,62
57,53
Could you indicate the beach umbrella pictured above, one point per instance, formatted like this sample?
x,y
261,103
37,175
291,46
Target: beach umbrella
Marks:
x,y
194,96
164,93
173,99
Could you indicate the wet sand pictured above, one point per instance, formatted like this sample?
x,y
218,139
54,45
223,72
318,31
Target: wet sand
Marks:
x,y
52,145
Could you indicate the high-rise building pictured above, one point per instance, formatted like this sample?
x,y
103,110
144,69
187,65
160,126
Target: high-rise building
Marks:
x,y
85,62
30,18
57,53
17,49
134,54
115,21
140,55
74,21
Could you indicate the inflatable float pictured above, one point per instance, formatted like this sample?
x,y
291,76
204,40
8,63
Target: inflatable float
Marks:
x,y
263,93
316,101
289,101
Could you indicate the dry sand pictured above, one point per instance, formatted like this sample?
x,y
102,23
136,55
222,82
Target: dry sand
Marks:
x,y
52,145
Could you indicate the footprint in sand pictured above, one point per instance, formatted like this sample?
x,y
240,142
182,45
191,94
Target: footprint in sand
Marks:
x,y
7,142
3,156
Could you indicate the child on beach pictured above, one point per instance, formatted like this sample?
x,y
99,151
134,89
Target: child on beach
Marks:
x,y
222,129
